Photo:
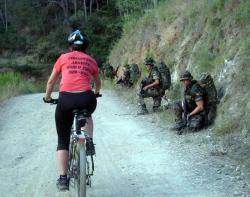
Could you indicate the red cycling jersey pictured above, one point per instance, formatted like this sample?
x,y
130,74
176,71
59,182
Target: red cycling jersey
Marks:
x,y
77,70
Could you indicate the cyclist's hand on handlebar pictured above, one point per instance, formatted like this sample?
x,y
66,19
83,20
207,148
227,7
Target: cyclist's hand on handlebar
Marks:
x,y
97,94
46,100
50,100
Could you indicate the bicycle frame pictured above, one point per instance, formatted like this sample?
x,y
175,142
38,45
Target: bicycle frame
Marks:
x,y
78,138
78,163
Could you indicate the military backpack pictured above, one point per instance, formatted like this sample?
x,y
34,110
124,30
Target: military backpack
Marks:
x,y
165,75
207,83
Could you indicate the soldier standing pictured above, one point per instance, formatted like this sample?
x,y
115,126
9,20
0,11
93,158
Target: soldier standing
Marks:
x,y
150,87
190,113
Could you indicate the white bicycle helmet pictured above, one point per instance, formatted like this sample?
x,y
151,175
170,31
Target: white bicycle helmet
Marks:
x,y
77,38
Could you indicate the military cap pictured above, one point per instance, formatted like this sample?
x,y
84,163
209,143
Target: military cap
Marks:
x,y
149,61
186,76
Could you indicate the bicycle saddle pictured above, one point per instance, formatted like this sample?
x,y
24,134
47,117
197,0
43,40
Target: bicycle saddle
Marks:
x,y
83,112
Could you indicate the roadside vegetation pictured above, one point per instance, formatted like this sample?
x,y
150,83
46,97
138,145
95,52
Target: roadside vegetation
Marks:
x,y
33,33
202,36
13,84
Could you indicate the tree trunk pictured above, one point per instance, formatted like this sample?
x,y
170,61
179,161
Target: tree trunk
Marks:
x,y
2,18
75,6
6,19
90,7
64,5
85,10
155,3
97,4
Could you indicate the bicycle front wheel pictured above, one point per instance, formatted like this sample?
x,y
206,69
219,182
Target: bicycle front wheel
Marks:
x,y
81,181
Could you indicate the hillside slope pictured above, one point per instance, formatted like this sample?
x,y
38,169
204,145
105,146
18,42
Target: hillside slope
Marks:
x,y
201,36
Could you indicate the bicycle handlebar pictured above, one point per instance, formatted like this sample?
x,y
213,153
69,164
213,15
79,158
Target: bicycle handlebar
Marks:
x,y
98,95
55,101
51,101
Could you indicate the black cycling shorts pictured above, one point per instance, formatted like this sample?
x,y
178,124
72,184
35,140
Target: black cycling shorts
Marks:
x,y
64,113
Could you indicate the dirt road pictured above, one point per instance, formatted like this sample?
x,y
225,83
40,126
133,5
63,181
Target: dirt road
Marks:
x,y
135,157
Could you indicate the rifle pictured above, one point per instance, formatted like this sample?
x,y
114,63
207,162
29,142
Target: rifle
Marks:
x,y
185,110
142,85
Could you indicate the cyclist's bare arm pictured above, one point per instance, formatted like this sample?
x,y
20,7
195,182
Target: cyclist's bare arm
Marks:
x,y
50,84
97,82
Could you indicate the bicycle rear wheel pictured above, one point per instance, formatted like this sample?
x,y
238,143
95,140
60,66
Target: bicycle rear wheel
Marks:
x,y
81,180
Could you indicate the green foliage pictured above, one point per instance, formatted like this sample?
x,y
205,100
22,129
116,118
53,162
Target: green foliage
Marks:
x,y
133,7
242,13
175,91
103,28
12,84
49,48
225,124
204,59
39,28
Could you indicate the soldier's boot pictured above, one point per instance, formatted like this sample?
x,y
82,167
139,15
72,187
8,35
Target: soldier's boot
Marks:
x,y
195,123
178,126
143,110
157,109
157,104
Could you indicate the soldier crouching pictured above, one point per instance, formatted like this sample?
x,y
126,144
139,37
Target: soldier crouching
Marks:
x,y
150,87
191,112
125,79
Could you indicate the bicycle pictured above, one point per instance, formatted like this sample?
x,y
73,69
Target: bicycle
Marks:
x,y
80,165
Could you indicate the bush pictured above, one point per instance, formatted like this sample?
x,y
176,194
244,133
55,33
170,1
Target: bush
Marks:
x,y
13,84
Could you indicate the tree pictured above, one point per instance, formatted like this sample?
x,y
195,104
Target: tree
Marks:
x,y
6,19
85,10
65,7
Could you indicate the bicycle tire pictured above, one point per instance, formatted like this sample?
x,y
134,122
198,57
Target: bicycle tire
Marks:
x,y
81,181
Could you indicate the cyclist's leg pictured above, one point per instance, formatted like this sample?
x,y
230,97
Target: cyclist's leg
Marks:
x,y
64,121
87,101
62,158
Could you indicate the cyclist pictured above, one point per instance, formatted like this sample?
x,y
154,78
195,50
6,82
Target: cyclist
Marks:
x,y
77,70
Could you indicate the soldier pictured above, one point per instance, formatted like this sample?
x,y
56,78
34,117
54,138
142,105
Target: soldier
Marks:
x,y
150,87
190,113
125,78
135,72
211,97
108,71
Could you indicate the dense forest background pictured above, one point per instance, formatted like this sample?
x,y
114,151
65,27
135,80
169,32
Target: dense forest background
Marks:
x,y
38,29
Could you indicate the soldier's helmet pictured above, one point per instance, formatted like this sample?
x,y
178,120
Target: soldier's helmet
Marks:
x,y
205,79
127,66
186,75
149,61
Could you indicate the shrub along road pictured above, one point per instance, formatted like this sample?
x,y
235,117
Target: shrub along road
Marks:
x,y
135,156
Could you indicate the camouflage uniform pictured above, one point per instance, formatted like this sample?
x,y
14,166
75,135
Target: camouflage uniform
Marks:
x,y
192,94
211,98
154,92
211,107
135,72
125,78
108,71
